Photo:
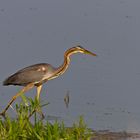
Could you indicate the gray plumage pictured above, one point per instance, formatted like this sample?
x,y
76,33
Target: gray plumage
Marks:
x,y
23,77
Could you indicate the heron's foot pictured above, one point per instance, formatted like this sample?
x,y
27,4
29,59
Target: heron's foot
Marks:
x,y
3,114
39,111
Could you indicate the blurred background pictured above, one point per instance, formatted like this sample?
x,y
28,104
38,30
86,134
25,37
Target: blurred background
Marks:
x,y
104,89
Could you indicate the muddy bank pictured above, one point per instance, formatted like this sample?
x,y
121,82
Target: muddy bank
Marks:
x,y
107,135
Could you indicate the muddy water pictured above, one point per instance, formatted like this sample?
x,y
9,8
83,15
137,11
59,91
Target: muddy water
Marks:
x,y
104,89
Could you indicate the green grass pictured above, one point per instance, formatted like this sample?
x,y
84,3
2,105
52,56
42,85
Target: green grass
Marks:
x,y
21,127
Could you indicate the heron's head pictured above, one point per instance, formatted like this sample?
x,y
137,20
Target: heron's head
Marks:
x,y
81,50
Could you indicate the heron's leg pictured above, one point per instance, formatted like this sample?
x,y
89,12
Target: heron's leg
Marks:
x,y
39,87
25,89
38,91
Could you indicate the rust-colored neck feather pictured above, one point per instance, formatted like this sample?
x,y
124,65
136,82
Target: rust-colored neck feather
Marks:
x,y
60,70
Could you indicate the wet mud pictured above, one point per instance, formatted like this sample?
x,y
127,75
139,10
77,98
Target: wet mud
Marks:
x,y
107,135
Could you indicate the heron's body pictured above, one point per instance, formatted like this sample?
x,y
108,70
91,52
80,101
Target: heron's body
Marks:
x,y
40,73
36,75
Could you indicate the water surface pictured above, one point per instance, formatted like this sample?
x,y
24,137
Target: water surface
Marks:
x,y
104,89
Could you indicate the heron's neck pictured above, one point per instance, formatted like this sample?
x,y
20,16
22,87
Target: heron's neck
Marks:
x,y
65,64
60,70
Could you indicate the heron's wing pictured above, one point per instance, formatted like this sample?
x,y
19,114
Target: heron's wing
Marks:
x,y
32,74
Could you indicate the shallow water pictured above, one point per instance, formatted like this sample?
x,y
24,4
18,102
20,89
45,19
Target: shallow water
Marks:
x,y
104,89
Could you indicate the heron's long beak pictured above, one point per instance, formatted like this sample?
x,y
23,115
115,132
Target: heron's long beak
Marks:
x,y
90,53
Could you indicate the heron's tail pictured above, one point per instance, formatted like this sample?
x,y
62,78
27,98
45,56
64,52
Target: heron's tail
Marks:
x,y
9,81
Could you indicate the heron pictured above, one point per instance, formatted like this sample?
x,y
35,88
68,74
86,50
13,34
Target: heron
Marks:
x,y
37,74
